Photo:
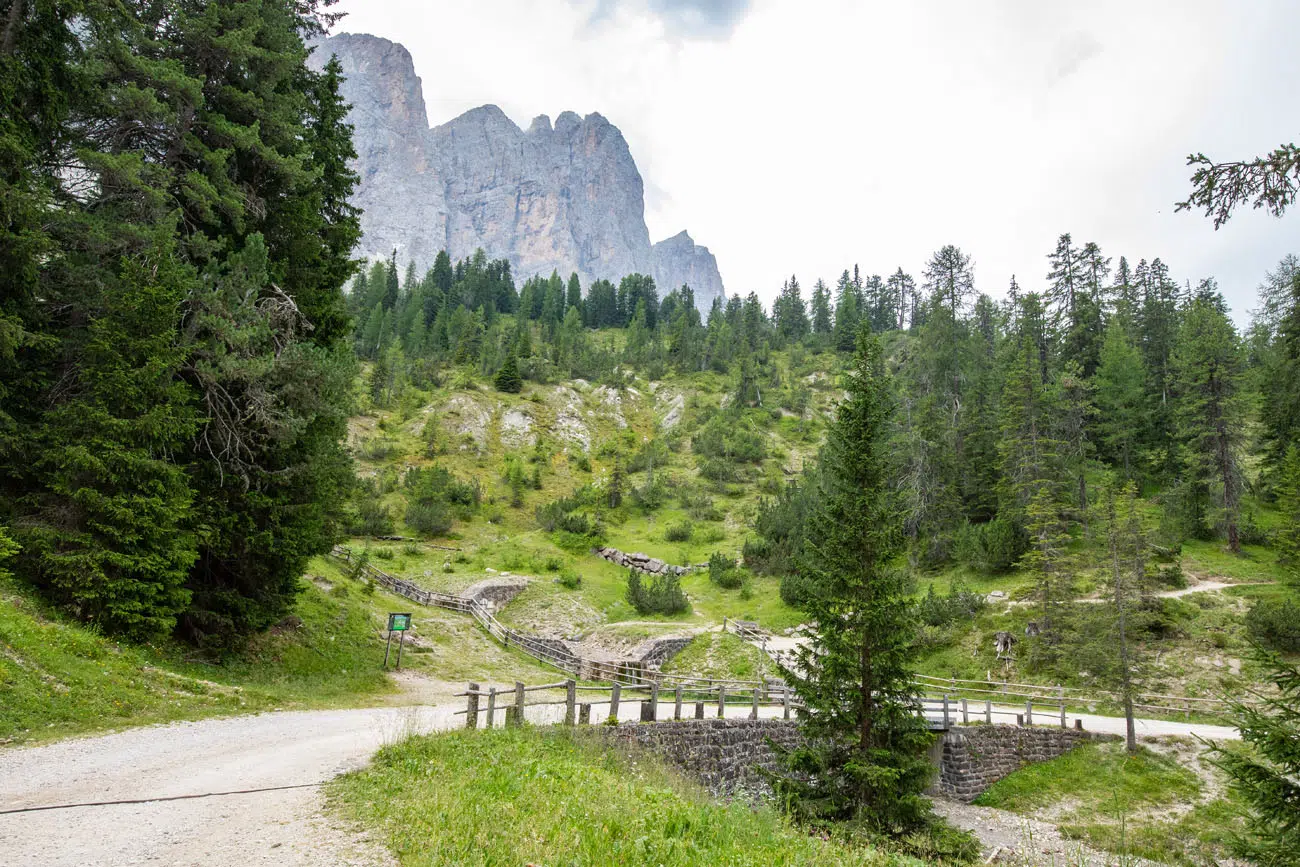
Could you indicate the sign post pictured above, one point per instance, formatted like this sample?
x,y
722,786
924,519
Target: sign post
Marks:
x,y
398,623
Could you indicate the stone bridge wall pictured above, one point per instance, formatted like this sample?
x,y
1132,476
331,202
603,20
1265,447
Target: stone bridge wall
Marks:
x,y
972,758
724,754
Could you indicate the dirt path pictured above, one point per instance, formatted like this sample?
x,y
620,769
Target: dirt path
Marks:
x,y
269,766
1206,586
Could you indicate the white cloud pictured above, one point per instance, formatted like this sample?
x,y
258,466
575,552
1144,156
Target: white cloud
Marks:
x,y
820,133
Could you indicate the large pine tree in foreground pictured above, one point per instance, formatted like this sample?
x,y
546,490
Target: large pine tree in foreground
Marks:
x,y
865,755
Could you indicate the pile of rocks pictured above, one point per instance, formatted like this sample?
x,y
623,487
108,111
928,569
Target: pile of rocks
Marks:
x,y
643,562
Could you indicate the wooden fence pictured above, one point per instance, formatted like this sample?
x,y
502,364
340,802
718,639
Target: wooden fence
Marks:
x,y
700,703
1072,696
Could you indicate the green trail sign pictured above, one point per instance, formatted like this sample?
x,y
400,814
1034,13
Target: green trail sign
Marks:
x,y
398,623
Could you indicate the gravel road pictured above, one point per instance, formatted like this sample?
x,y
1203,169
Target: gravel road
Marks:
x,y
283,827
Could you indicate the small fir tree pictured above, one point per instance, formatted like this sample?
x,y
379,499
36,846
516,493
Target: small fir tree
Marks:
x,y
507,378
864,759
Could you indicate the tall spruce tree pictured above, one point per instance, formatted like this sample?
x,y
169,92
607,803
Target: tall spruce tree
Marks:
x,y
865,755
212,182
1207,373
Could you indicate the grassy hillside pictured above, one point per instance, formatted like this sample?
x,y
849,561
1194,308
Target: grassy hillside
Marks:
x,y
567,436
529,796
523,452
59,678
1166,804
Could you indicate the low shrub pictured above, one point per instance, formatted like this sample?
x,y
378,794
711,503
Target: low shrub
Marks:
x,y
723,572
992,547
656,594
796,590
960,603
429,517
679,532
577,543
569,579
372,519
1275,623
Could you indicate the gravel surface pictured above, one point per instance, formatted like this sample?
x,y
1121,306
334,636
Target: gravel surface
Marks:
x,y
283,827
1007,838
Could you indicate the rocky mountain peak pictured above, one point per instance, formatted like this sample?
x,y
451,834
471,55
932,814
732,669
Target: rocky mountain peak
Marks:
x,y
567,197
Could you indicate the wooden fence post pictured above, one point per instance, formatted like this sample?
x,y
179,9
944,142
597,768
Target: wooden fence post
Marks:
x,y
753,711
677,705
492,704
1029,712
722,701
471,707
945,710
988,711
1063,725
584,714
613,701
699,710
570,701
785,702
965,716
517,712
647,712
654,700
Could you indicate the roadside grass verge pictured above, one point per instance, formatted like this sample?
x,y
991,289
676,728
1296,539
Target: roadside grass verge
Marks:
x,y
542,796
60,678
1148,805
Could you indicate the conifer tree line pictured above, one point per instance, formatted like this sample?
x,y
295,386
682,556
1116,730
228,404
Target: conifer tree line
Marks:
x,y
1006,410
175,368
1011,416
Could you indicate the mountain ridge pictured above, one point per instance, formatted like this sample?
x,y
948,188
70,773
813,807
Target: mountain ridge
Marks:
x,y
564,196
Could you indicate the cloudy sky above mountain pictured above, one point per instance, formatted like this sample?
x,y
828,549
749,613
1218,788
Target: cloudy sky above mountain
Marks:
x,y
802,136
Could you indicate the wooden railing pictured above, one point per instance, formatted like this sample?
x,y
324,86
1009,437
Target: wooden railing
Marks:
x,y
704,702
1072,696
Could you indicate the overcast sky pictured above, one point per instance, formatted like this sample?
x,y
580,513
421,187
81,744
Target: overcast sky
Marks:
x,y
802,136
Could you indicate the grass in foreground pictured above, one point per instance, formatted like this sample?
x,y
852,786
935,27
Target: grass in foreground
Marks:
x,y
540,796
1147,805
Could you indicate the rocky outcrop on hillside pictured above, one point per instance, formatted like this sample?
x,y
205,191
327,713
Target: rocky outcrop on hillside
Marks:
x,y
560,197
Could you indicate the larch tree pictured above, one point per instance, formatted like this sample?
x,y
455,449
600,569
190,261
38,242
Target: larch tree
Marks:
x,y
1207,372
1120,400
950,279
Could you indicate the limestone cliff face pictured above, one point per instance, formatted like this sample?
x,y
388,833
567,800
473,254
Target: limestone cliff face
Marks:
x,y
680,260
565,197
